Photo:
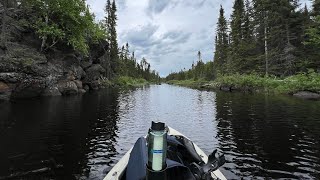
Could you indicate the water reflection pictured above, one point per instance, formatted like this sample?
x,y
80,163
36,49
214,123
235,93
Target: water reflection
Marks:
x,y
267,136
82,137
63,137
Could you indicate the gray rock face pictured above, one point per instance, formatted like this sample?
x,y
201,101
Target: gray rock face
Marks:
x,y
307,95
29,88
67,87
79,84
11,77
25,72
93,75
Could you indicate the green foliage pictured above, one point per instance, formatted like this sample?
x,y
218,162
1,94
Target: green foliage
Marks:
x,y
64,20
301,82
125,81
106,83
314,33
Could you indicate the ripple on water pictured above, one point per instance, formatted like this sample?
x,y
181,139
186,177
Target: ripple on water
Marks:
x,y
263,137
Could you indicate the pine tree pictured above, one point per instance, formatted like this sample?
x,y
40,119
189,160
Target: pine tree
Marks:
x,y
221,50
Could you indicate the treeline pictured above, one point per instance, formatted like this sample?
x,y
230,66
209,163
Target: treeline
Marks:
x,y
122,61
199,70
131,68
266,37
70,23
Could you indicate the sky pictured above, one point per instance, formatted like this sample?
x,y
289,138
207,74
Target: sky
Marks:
x,y
168,33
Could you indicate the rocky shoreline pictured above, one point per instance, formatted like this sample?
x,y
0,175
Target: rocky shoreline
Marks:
x,y
26,73
308,95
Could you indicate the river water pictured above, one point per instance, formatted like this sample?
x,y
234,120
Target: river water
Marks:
x,y
82,137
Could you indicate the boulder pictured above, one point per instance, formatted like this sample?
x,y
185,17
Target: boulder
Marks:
x,y
93,75
95,85
307,95
4,87
11,77
51,91
82,91
67,87
5,91
78,72
226,88
86,87
78,83
85,64
28,88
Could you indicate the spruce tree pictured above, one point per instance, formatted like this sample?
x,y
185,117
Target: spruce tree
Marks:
x,y
316,8
221,50
237,36
237,21
113,38
248,28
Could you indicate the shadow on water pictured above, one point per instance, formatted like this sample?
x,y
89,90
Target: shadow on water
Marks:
x,y
269,136
59,137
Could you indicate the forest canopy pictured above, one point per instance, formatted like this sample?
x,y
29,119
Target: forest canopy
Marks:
x,y
263,37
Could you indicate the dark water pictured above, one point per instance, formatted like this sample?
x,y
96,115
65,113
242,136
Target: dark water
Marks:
x,y
81,137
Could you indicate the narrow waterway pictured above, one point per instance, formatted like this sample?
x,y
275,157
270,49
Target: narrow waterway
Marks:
x,y
82,137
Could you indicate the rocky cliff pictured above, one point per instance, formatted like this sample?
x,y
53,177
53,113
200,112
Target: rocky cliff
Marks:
x,y
25,72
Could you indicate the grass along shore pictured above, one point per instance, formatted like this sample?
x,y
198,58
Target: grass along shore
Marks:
x,y
253,83
126,82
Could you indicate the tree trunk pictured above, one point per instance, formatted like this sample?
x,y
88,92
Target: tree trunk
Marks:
x,y
3,43
287,33
12,4
44,38
266,46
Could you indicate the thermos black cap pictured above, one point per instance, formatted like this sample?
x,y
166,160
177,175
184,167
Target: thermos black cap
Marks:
x,y
158,126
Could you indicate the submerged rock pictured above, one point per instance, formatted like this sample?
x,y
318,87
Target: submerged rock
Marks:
x,y
307,95
226,88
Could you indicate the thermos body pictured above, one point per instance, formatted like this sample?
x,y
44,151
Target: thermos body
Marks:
x,y
157,149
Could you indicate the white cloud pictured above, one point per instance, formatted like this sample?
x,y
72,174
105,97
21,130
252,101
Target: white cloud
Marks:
x,y
169,33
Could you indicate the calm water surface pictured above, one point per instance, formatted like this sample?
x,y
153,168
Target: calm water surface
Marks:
x,y
82,137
